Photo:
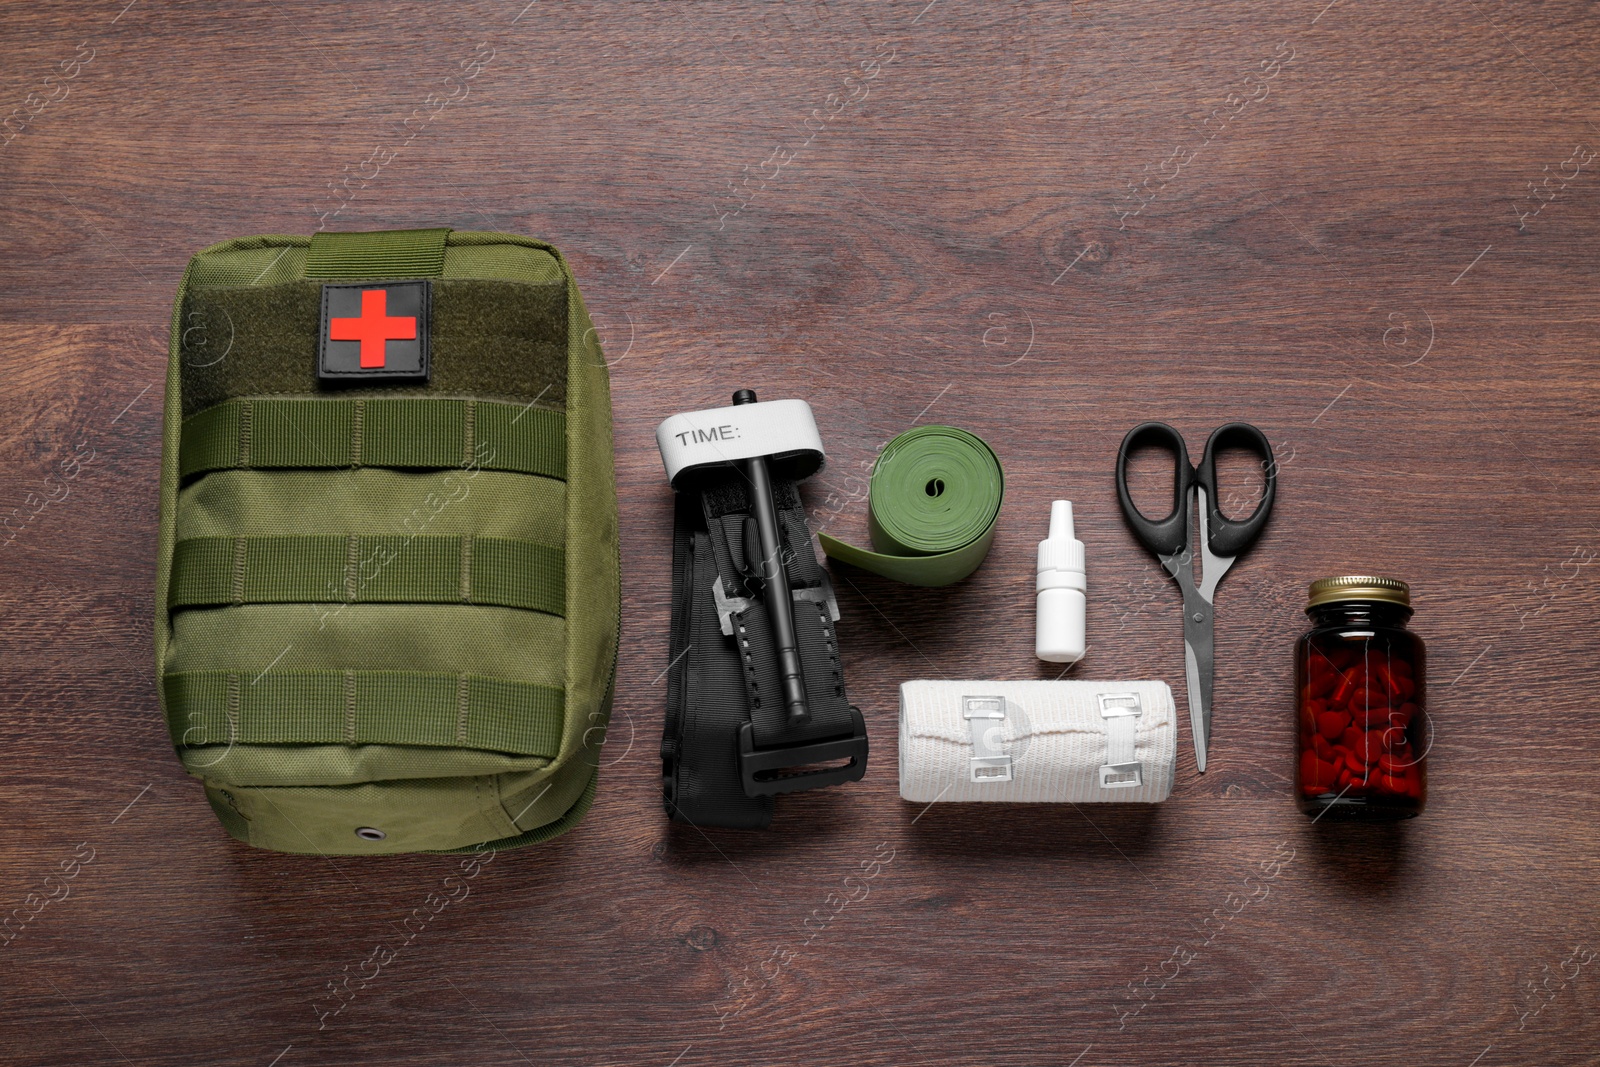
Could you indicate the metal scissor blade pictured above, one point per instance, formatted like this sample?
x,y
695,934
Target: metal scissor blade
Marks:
x,y
1212,567
1199,707
1200,667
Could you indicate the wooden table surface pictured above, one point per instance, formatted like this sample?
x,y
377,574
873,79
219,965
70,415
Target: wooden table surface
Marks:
x,y
1369,229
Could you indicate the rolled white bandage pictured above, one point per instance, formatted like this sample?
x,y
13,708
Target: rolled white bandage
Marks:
x,y
1079,742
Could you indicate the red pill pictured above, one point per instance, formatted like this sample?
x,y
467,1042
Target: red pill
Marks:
x,y
1382,672
1372,746
1331,724
1397,715
1389,764
1315,775
1341,692
1369,696
1374,718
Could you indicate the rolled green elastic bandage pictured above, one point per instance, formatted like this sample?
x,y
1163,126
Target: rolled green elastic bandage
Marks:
x,y
932,503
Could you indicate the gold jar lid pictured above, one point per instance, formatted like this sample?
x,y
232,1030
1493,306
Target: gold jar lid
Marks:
x,y
1358,587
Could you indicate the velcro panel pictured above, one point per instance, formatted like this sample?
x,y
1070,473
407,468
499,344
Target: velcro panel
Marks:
x,y
310,707
495,339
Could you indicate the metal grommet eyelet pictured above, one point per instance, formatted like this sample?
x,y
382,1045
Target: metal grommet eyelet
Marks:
x,y
370,833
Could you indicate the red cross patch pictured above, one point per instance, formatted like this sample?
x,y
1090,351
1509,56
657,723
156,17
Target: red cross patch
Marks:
x,y
375,331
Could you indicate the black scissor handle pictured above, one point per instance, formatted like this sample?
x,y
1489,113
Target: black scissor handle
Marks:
x,y
1168,536
1229,538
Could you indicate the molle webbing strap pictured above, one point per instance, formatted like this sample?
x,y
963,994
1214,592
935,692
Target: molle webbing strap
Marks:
x,y
384,254
425,432
400,568
718,683
334,707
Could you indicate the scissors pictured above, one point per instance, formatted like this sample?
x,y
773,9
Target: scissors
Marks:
x,y
1221,540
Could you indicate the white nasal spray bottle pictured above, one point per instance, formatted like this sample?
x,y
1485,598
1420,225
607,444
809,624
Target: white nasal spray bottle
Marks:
x,y
1059,637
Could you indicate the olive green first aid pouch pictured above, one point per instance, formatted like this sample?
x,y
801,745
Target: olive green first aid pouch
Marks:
x,y
387,596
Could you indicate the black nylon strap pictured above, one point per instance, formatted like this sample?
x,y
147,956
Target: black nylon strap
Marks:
x,y
717,683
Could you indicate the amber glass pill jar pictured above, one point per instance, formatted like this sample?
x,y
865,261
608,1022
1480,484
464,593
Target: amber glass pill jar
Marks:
x,y
1360,702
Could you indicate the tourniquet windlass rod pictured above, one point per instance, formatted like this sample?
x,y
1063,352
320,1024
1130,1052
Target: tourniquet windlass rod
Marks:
x,y
775,579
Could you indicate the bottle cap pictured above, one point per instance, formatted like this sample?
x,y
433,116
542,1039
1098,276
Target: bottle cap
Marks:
x,y
1358,587
1061,551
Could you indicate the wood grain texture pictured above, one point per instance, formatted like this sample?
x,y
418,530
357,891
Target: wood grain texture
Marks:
x,y
1341,249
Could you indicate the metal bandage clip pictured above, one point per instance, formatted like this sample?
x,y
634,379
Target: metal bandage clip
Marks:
x,y
985,716
1121,770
